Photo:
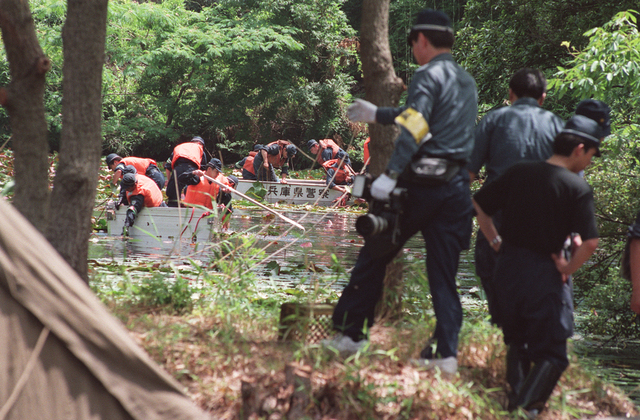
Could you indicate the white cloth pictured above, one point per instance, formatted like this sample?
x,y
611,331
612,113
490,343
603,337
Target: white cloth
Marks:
x,y
362,111
381,188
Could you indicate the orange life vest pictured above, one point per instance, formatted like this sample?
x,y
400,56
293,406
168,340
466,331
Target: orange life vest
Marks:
x,y
248,163
141,164
366,150
190,150
340,173
223,179
278,160
203,194
147,188
327,144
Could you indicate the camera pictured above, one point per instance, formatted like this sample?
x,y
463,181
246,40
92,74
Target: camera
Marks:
x,y
383,216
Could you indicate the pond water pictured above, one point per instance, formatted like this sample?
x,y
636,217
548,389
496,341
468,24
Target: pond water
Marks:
x,y
334,233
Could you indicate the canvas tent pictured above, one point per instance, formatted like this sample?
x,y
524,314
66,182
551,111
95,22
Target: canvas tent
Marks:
x,y
63,355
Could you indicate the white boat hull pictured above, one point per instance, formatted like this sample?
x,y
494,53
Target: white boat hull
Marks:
x,y
164,223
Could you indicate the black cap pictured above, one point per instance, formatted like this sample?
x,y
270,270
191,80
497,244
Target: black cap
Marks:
x,y
215,164
597,111
586,128
128,180
111,157
198,139
291,150
129,169
233,180
430,20
311,143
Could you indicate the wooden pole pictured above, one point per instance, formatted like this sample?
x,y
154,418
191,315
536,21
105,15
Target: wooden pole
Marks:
x,y
257,203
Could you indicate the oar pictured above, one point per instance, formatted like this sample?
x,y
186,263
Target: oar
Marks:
x,y
257,203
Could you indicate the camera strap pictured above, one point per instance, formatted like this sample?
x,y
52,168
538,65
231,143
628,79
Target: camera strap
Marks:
x,y
432,171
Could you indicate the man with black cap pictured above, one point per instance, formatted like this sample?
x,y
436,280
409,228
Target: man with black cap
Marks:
x,y
542,203
186,157
429,159
508,135
145,166
274,155
326,150
141,191
200,190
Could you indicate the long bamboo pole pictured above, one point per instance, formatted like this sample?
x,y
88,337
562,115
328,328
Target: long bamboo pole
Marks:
x,y
257,203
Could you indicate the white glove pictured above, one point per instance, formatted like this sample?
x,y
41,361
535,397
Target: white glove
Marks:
x,y
382,187
363,111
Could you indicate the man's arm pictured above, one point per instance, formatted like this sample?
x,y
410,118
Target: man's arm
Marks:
x,y
487,227
191,178
579,257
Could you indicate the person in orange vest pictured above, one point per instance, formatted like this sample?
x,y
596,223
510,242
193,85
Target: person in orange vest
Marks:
x,y
327,149
273,155
246,164
141,191
146,166
365,150
200,190
186,157
339,175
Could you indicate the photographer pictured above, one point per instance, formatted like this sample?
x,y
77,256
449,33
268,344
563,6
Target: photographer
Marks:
x,y
428,162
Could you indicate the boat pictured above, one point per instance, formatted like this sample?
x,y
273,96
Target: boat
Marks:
x,y
165,223
295,191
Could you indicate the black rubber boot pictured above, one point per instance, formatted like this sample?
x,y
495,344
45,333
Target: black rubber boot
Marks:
x,y
518,367
538,386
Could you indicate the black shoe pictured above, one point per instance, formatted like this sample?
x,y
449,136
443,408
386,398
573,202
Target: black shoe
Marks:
x,y
538,386
518,366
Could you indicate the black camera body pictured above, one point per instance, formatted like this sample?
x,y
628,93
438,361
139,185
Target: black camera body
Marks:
x,y
383,218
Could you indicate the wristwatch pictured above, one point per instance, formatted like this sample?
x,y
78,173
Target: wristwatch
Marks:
x,y
496,240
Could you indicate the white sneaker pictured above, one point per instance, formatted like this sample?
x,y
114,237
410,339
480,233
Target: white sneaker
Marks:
x,y
344,344
447,365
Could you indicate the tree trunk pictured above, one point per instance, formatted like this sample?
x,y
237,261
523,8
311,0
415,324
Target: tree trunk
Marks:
x,y
23,99
383,88
76,178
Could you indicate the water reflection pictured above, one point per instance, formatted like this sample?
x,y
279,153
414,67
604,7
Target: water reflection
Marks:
x,y
326,234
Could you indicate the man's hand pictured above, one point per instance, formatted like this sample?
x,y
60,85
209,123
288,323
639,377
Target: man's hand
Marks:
x,y
382,187
362,111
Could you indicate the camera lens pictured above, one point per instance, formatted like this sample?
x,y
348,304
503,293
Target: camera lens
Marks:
x,y
370,224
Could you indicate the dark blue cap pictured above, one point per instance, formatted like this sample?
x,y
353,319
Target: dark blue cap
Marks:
x,y
597,111
128,180
291,150
311,143
215,163
198,139
111,157
585,128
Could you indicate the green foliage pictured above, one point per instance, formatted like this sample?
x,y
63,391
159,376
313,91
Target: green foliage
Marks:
x,y
233,72
606,69
157,291
499,37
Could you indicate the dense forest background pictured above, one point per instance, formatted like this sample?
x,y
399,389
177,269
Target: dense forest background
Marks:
x,y
241,72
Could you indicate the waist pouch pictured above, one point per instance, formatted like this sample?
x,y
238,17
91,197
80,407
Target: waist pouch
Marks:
x,y
431,171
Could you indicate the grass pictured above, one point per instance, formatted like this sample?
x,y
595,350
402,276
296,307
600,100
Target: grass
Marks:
x,y
228,337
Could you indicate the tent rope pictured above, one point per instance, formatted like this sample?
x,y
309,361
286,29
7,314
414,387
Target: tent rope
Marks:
x,y
22,381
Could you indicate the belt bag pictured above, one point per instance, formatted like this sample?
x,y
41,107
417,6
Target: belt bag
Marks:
x,y
433,171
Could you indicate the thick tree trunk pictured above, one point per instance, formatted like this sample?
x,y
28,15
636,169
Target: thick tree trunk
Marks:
x,y
383,88
24,102
76,178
